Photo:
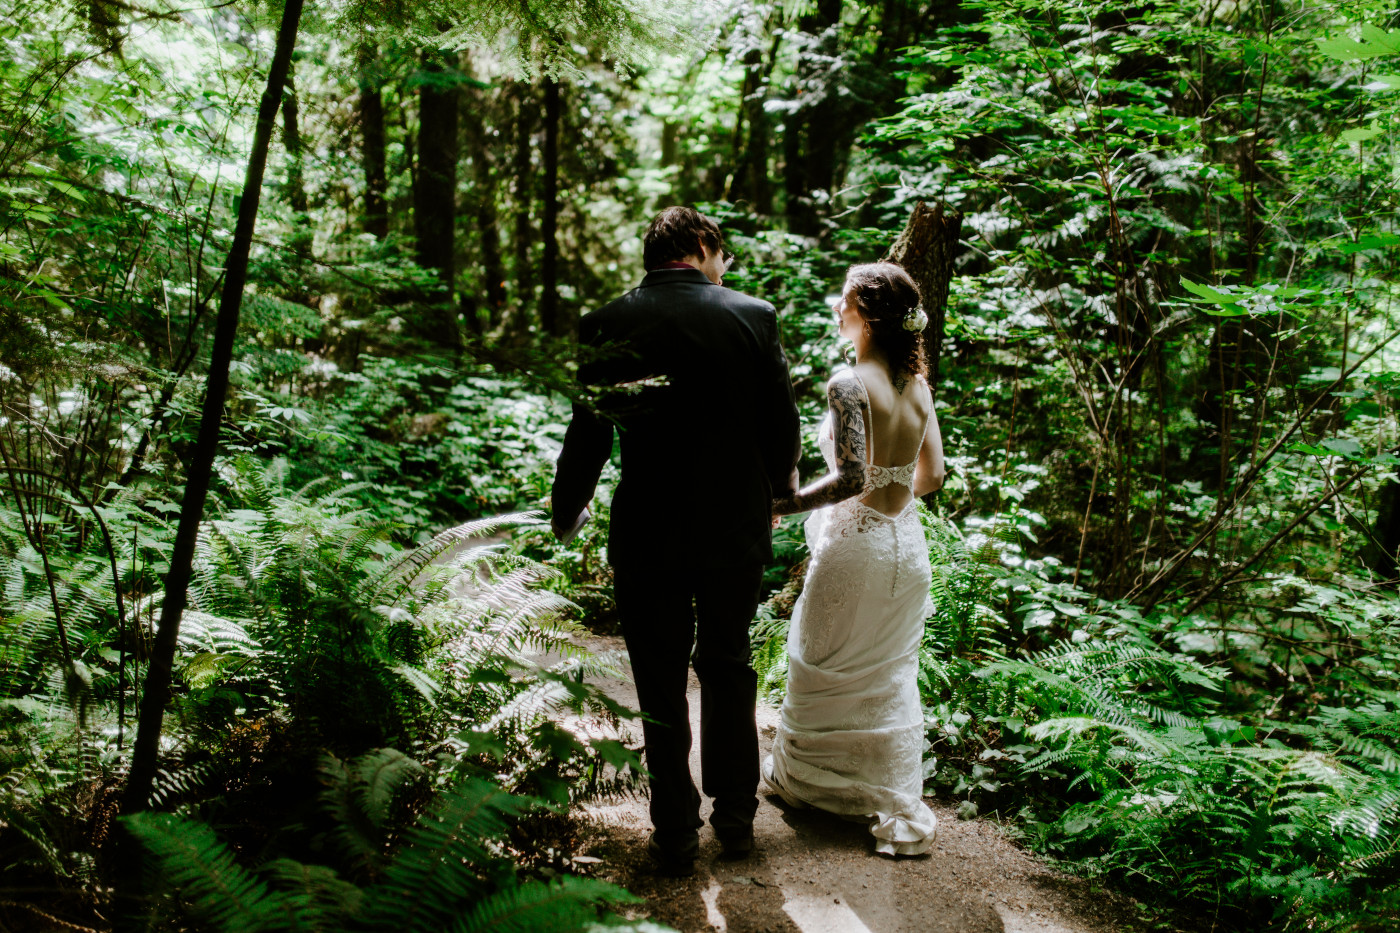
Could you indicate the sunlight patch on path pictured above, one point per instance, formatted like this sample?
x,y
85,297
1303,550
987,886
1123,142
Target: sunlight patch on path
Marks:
x,y
1025,919
814,914
712,915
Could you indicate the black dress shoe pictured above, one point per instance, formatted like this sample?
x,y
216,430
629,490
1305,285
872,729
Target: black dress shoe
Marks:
x,y
671,864
736,845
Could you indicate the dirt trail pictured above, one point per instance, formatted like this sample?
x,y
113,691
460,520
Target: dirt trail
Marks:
x,y
816,873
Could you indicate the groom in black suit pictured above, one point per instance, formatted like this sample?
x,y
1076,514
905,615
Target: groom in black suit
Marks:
x,y
693,377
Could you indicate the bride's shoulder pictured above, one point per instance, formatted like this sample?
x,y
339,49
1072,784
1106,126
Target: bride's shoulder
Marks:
x,y
845,382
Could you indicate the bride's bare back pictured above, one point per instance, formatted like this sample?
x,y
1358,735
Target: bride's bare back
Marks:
x,y
875,424
897,431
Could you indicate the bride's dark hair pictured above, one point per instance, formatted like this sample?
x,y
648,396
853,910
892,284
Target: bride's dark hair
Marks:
x,y
884,295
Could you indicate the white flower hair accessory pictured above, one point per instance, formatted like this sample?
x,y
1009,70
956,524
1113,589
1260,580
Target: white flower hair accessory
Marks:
x,y
915,319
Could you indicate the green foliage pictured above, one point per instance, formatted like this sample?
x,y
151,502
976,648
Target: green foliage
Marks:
x,y
310,629
1165,633
437,446
450,872
1138,762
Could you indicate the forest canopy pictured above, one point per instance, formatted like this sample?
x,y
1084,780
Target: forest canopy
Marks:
x,y
289,304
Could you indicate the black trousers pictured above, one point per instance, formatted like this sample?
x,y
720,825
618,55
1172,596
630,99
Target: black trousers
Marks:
x,y
668,612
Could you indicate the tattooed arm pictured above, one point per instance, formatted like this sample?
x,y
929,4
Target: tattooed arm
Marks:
x,y
849,410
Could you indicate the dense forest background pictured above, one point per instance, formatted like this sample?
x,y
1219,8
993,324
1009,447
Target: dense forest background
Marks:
x,y
287,303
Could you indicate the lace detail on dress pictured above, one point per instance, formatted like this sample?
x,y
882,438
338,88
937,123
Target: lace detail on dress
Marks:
x,y
878,477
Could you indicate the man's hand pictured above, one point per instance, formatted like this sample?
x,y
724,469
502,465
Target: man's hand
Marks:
x,y
565,533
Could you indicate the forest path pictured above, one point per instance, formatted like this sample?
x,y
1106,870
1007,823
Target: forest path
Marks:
x,y
812,872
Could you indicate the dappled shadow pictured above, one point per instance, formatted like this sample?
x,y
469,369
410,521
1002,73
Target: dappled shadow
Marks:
x,y
869,892
1090,904
734,896
748,899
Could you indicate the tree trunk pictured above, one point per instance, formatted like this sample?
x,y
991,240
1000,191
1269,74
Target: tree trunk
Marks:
x,y
296,176
751,173
1381,554
493,274
201,465
926,249
435,195
524,201
549,268
291,141
371,106
796,201
821,125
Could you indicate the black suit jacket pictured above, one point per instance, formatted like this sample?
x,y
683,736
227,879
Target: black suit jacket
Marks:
x,y
694,379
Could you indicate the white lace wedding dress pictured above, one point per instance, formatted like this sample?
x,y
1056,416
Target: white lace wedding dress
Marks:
x,y
851,739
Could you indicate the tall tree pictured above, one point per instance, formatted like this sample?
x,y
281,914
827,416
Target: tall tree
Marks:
x,y
435,194
811,130
824,124
374,143
201,464
549,232
524,198
750,179
296,171
484,194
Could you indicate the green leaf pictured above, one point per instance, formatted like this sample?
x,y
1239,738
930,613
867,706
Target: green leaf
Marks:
x,y
1228,303
1380,241
1374,43
1342,445
1206,293
1383,83
1360,135
1077,824
67,189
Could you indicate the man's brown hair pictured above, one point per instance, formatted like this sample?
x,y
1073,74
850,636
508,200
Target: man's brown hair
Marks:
x,y
676,233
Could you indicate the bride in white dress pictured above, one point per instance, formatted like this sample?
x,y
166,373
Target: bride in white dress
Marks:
x,y
851,739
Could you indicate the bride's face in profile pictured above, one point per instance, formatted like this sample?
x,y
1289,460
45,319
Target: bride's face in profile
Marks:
x,y
849,323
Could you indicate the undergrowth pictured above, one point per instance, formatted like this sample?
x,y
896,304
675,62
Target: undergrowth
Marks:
x,y
1083,723
356,732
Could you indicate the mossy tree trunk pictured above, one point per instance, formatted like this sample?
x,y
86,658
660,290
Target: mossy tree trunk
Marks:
x,y
926,249
374,143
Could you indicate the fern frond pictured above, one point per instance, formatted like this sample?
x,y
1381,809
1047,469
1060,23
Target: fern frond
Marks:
x,y
563,905
399,574
204,871
380,775
317,900
357,835
437,872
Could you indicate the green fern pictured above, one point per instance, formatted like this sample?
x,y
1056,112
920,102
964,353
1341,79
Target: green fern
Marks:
x,y
203,869
450,872
358,795
565,904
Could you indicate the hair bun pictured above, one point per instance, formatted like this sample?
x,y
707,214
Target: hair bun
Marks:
x,y
887,298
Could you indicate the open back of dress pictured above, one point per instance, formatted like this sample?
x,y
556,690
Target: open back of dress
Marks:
x,y
887,489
